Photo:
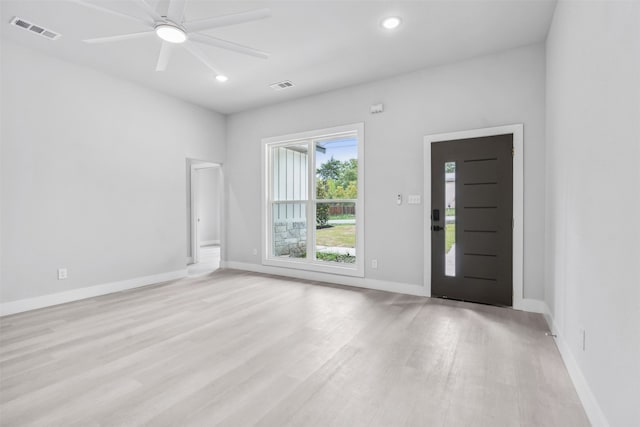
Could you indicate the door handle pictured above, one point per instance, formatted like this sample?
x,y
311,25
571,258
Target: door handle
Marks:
x,y
435,217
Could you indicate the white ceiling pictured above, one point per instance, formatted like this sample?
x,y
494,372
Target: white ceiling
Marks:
x,y
318,45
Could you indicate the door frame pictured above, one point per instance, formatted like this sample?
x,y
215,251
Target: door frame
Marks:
x,y
194,166
517,130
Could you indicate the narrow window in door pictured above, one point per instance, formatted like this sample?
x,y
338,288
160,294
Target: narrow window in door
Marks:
x,y
450,219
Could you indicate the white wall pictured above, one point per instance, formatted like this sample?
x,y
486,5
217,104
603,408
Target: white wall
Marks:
x,y
593,198
93,175
209,202
494,90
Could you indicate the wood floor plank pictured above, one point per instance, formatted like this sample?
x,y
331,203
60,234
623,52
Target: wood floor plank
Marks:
x,y
237,349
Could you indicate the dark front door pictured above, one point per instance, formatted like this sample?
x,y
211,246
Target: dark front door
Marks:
x,y
472,219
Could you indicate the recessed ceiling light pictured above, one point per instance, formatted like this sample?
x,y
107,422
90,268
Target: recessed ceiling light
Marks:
x,y
391,22
221,78
170,33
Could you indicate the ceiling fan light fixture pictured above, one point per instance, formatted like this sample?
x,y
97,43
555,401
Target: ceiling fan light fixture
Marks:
x,y
221,78
391,22
171,33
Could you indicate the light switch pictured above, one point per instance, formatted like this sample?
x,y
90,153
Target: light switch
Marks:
x,y
414,199
377,108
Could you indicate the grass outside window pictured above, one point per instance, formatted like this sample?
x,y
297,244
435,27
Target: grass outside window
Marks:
x,y
339,235
450,237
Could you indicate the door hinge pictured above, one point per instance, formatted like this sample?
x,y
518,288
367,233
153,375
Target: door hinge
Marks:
x,y
513,152
513,223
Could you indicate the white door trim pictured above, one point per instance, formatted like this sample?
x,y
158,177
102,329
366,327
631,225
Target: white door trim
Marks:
x,y
194,166
517,130
195,248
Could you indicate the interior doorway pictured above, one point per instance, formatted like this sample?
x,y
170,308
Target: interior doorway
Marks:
x,y
204,208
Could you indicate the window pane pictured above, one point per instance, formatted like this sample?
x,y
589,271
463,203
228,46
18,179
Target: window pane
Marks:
x,y
337,168
450,219
336,232
289,230
289,172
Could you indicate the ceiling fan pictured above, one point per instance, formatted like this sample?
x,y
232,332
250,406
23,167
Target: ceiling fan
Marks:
x,y
172,30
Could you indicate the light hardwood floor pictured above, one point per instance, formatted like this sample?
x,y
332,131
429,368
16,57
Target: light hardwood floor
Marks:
x,y
237,349
208,263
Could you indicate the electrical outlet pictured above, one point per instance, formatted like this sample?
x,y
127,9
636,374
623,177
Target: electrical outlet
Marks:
x,y
374,263
255,251
62,273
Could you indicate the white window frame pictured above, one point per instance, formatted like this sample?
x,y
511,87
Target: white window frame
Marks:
x,y
310,264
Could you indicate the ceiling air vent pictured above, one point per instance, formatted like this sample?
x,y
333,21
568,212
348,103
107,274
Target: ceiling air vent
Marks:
x,y
35,29
281,85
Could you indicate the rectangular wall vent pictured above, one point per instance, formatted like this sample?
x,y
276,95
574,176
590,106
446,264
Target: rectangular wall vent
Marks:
x,y
35,29
281,85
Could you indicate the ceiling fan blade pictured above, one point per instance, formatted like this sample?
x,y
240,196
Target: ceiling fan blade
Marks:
x,y
149,10
119,37
224,44
112,12
163,57
223,21
176,10
195,51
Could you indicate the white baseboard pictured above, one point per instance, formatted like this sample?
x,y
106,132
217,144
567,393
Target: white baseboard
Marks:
x,y
530,305
34,303
359,282
209,242
589,402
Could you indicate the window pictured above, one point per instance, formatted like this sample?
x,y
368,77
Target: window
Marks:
x,y
313,199
450,219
